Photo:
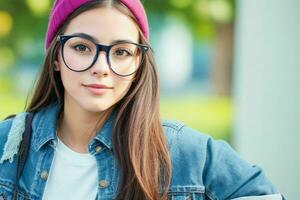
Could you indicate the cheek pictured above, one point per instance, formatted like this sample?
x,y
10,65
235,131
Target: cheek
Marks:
x,y
122,85
69,79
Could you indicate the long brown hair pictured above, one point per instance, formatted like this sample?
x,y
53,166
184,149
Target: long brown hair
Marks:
x,y
139,143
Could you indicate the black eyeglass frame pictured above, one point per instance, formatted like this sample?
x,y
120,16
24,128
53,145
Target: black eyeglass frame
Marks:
x,y
99,47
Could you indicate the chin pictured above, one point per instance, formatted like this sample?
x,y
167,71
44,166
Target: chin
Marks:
x,y
96,107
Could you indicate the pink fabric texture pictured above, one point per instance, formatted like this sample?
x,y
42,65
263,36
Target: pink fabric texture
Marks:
x,y
63,8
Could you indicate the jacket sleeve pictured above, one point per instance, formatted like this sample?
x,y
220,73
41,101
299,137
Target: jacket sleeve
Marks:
x,y
227,176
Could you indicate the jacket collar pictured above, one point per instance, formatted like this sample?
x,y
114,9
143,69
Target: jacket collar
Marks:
x,y
45,122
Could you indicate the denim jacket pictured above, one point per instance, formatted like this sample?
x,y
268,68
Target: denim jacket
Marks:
x,y
202,168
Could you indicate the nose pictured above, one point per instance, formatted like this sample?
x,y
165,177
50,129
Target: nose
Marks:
x,y
101,66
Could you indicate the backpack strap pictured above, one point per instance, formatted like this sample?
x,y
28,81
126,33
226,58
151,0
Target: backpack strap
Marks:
x,y
23,151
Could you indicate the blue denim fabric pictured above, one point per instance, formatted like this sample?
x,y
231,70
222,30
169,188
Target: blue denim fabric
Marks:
x,y
203,168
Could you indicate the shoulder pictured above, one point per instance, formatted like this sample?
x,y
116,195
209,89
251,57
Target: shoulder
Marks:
x,y
184,138
190,145
11,131
5,127
188,139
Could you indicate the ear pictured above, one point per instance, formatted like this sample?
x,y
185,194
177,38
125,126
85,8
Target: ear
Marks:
x,y
56,66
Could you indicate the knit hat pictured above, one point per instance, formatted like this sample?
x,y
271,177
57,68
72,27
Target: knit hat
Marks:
x,y
63,8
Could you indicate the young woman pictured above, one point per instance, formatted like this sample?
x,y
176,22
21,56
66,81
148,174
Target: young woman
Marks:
x,y
96,128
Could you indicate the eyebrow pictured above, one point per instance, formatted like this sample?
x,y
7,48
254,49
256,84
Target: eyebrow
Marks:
x,y
93,39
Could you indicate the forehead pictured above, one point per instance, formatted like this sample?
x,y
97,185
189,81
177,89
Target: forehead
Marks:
x,y
105,25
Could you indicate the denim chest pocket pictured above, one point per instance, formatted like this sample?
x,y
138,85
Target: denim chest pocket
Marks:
x,y
186,193
7,194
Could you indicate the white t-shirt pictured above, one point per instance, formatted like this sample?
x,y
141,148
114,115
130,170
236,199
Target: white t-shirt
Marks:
x,y
72,175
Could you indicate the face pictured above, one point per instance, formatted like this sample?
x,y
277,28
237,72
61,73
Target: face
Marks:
x,y
106,25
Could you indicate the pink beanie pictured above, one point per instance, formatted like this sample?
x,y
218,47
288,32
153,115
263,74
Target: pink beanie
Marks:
x,y
63,8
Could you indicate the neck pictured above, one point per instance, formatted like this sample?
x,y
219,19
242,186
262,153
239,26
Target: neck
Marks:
x,y
77,127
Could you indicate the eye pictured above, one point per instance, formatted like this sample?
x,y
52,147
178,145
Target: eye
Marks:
x,y
122,52
81,48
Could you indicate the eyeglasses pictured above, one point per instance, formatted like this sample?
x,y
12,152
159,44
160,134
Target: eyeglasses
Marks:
x,y
80,53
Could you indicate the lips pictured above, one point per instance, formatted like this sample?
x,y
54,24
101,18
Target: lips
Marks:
x,y
98,89
98,86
